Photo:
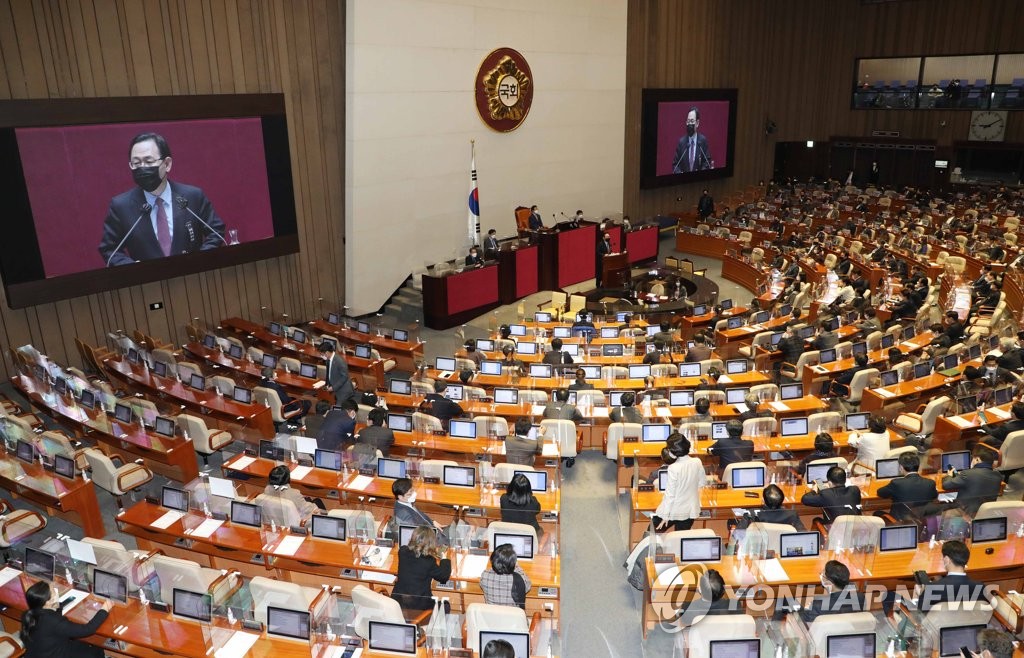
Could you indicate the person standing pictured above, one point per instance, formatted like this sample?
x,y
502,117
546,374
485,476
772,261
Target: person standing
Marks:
x,y
680,503
705,205
337,380
604,247
692,150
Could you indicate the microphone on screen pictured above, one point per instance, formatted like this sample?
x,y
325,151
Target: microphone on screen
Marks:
x,y
183,204
144,210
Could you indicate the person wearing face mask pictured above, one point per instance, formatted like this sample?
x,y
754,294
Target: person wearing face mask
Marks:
x,y
692,151
158,217
474,259
406,512
604,247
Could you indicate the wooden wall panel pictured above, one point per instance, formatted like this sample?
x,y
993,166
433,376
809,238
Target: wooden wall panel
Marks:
x,y
793,62
97,48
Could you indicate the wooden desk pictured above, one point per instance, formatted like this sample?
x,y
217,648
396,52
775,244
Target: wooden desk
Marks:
x,y
451,299
548,383
642,243
876,398
745,274
405,353
711,246
250,422
72,500
877,358
172,457
247,373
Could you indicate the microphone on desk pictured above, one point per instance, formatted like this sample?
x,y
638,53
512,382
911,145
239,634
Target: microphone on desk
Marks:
x,y
183,204
144,210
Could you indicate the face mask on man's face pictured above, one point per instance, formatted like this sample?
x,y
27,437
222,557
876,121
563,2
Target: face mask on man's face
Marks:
x,y
691,129
148,178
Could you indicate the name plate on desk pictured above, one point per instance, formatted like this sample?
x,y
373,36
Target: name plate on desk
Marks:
x,y
367,471
460,653
439,433
450,585
667,558
644,487
630,439
473,511
428,480
384,543
548,592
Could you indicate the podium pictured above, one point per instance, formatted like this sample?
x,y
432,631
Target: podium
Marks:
x,y
615,270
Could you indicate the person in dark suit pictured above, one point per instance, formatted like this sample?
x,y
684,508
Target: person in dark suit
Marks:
x,y
626,412
473,259
337,380
406,512
773,512
441,407
133,233
560,409
705,205
491,246
955,585
978,484
840,386
734,448
991,371
700,351
556,356
604,247
536,221
824,448
911,494
654,356
839,596
288,403
420,562
377,434
47,634
712,599
826,338
998,433
519,447
665,335
906,307
581,383
790,346
519,505
837,500
339,427
692,150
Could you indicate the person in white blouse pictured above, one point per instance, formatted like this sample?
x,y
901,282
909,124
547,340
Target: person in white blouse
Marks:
x,y
680,504
871,445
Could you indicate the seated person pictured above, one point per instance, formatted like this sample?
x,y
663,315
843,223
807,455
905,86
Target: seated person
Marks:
x,y
712,599
871,445
654,356
773,512
560,409
837,499
441,407
978,484
840,386
505,582
826,338
583,325
509,359
702,412
998,433
581,383
420,562
556,356
700,351
519,505
519,447
995,375
376,434
313,423
839,596
733,448
955,585
473,259
992,643
665,334
627,413
473,354
288,404
912,495
710,383
278,486
753,404
406,512
338,429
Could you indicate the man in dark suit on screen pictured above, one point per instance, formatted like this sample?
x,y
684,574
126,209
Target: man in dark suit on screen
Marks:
x,y
157,218
692,150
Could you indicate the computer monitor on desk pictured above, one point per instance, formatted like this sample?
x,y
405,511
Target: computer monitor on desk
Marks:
x,y
734,649
248,514
400,422
748,477
958,459
799,544
791,391
854,645
538,479
110,586
325,526
490,368
794,426
680,398
983,530
520,641
818,472
462,429
886,469
400,387
522,544
655,432
241,395
288,624
506,395
951,638
897,538
392,469
39,564
193,606
700,549
391,638
176,499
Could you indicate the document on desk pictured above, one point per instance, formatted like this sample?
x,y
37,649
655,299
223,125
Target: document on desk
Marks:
x,y
599,412
960,422
1001,414
773,571
167,520
300,472
8,574
537,410
884,393
207,528
664,412
471,566
378,577
360,482
725,379
548,450
779,406
242,462
237,646
289,545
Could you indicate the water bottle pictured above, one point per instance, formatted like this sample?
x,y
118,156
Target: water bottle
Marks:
x,y
142,596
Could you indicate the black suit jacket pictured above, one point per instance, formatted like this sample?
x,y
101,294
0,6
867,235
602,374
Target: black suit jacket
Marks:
x,y
701,160
706,204
56,637
380,438
536,222
998,433
976,485
845,600
951,587
338,378
834,501
730,451
557,358
909,494
189,233
412,588
336,431
786,516
443,409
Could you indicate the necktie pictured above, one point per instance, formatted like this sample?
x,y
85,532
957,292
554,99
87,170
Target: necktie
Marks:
x,y
693,151
163,229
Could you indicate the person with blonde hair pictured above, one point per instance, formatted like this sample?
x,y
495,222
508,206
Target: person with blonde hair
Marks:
x,y
421,561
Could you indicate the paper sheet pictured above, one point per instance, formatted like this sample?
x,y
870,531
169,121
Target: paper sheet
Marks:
x,y
1001,414
664,412
207,528
549,450
167,520
78,595
773,571
725,379
960,422
300,472
7,574
289,545
378,577
238,645
881,392
599,412
472,566
242,462
360,482
222,487
81,551
537,410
